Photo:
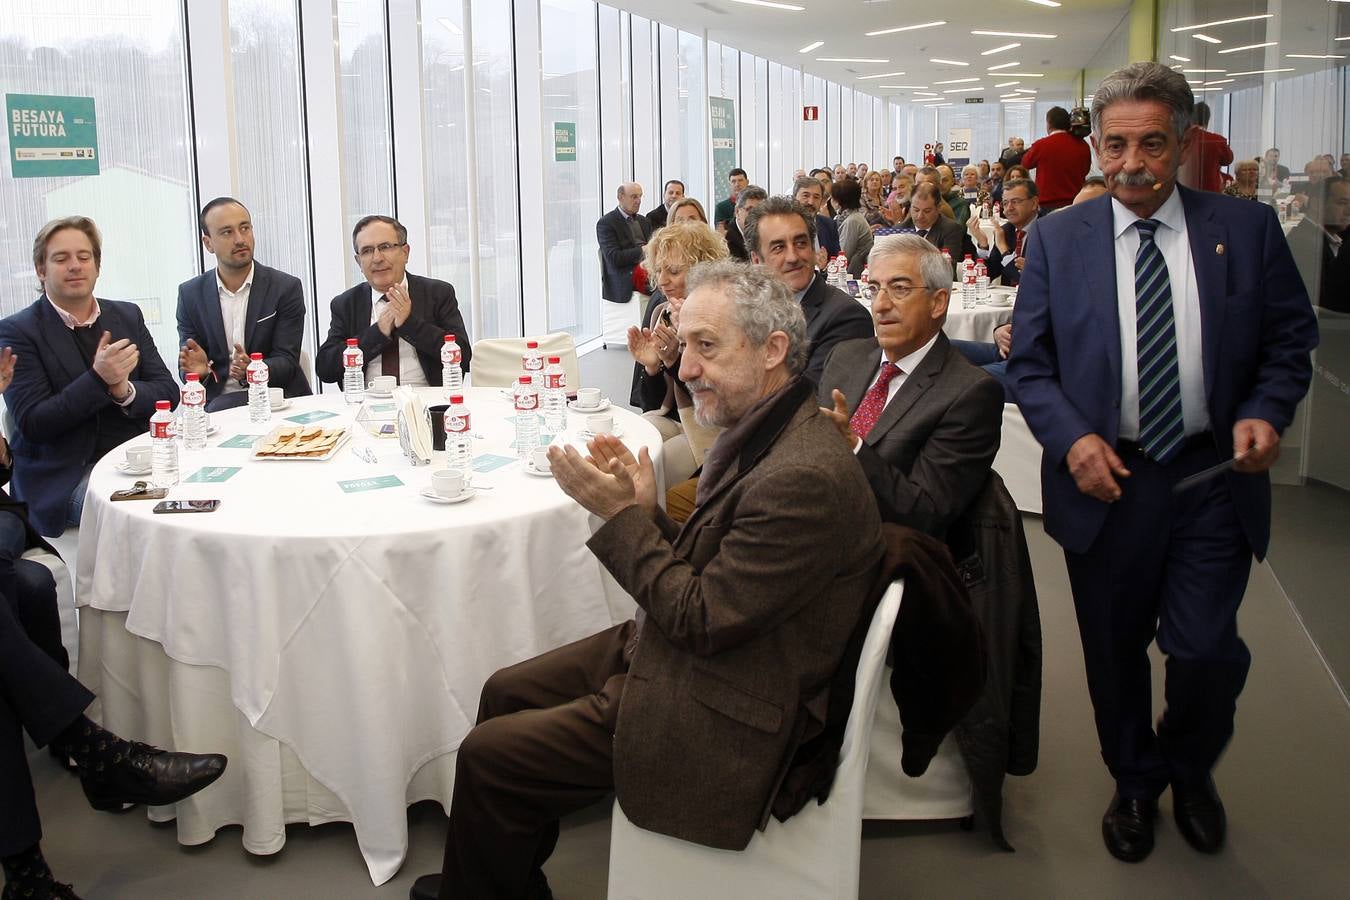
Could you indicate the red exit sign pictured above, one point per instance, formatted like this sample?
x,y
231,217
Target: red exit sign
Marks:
x,y
810,113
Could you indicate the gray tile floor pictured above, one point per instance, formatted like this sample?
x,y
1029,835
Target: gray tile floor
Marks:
x,y
1284,780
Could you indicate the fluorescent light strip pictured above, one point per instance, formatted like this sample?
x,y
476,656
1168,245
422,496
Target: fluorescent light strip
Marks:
x,y
1180,58
1249,47
1346,38
1006,65
1046,2
957,81
882,75
1201,71
1003,84
1220,81
849,59
1314,56
1207,39
948,62
903,28
771,5
999,49
1023,74
904,87
1026,90
1223,22
809,47
1027,100
1020,34
1011,97
969,90
1260,72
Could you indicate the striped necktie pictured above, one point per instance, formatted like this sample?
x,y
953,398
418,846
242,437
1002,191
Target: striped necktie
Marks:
x,y
1161,427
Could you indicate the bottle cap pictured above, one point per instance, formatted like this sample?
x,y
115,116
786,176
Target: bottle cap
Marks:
x,y
554,359
456,398
532,345
449,338
255,356
193,376
162,405
351,342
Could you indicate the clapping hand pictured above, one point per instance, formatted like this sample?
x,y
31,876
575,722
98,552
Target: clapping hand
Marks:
x,y
977,233
114,361
642,346
840,417
192,358
400,303
238,363
667,344
7,361
609,480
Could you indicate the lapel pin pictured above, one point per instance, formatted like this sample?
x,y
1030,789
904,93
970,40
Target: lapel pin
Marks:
x,y
1218,248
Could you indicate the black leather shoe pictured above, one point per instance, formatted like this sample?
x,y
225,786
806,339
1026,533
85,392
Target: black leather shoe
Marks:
x,y
58,891
1200,816
428,887
150,775
1127,828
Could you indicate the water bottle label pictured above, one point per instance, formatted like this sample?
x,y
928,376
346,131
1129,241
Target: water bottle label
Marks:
x,y
535,364
557,380
353,358
160,429
193,397
456,424
452,357
258,375
527,401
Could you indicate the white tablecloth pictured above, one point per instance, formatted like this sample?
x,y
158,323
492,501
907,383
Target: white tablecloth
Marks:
x,y
350,633
977,323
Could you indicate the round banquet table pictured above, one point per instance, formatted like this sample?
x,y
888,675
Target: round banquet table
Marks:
x,y
333,644
977,322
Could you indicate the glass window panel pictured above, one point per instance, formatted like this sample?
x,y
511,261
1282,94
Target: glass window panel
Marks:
x,y
367,167
846,129
692,106
129,58
775,117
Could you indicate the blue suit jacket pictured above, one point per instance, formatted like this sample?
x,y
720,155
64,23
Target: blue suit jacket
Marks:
x,y
1257,331
274,326
55,396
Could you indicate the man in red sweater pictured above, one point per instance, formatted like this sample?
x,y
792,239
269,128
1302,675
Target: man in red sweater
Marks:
x,y
1061,161
1209,153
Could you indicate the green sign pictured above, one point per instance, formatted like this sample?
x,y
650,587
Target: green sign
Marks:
x,y
51,135
489,461
358,485
723,112
317,416
564,141
240,442
213,474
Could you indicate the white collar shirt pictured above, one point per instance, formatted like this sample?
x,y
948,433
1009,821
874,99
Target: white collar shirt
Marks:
x,y
410,372
1173,239
907,364
234,313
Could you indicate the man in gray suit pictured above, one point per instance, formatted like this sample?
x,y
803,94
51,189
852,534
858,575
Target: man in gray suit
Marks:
x,y
692,712
922,422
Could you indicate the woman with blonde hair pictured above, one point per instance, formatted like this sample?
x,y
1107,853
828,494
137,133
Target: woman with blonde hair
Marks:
x,y
688,209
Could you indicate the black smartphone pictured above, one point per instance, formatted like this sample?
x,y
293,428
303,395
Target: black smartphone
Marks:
x,y
187,506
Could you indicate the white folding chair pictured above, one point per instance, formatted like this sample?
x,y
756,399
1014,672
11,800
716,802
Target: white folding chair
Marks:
x,y
812,856
944,791
496,361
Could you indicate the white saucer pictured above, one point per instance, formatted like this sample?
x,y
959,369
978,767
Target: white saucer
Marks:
x,y
213,430
124,469
284,404
586,434
467,494
376,395
585,410
531,470
1000,302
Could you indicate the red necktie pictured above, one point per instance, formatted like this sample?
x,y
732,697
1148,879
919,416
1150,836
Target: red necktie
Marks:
x,y
869,410
1021,238
389,358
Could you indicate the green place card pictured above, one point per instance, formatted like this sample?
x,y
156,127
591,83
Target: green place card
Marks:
x,y
358,485
317,416
489,461
382,407
212,474
240,442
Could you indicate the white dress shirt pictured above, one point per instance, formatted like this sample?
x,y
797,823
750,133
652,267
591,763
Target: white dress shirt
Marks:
x,y
1173,240
410,372
234,313
907,364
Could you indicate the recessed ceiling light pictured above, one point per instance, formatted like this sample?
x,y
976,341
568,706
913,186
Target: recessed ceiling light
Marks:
x,y
1313,56
903,87
1007,83
1260,72
771,5
903,28
948,62
1223,22
883,75
1021,34
1006,65
1010,97
1180,58
1346,38
957,81
849,59
1249,47
999,49
1207,39
1220,81
809,47
1022,74
1027,100
1201,71
1026,90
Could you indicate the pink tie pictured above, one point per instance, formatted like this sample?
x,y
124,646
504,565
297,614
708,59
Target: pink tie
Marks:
x,y
867,413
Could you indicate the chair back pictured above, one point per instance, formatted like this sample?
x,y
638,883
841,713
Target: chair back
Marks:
x,y
307,368
496,361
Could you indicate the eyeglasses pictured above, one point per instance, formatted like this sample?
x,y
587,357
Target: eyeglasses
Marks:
x,y
382,249
898,291
1014,201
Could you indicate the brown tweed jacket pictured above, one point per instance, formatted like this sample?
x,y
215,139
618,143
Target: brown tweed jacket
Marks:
x,y
749,607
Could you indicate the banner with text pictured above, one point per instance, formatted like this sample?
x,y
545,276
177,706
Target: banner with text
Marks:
x,y
564,141
51,136
723,112
958,149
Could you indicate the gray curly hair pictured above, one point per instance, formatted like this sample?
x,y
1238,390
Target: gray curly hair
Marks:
x,y
763,304
1145,81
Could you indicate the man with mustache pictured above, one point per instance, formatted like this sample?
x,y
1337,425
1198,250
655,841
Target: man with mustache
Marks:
x,y
780,235
240,307
1160,332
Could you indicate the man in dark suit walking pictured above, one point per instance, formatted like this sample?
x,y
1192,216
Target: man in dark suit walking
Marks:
x,y
1159,332
691,712
622,232
923,423
87,379
780,234
399,320
238,308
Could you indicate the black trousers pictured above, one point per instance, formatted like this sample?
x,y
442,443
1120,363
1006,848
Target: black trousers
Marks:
x,y
542,748
1171,567
37,694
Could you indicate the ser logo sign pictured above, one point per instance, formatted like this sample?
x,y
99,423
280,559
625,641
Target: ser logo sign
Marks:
x,y
958,148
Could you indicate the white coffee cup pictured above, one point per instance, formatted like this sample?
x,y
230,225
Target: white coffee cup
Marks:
x,y
383,384
539,460
588,398
448,483
138,457
601,423
276,396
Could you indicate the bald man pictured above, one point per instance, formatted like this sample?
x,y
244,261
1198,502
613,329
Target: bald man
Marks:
x,y
622,232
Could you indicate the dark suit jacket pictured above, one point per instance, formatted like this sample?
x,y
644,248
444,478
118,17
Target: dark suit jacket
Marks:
x,y
947,235
748,613
435,313
827,234
55,396
657,217
831,316
619,253
1258,331
274,326
1325,275
1010,273
931,451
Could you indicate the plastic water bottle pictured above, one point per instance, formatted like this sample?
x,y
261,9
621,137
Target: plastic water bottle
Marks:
x,y
555,395
458,439
527,416
968,279
532,364
259,401
163,447
192,411
452,368
353,373
832,272
981,282
998,212
842,275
